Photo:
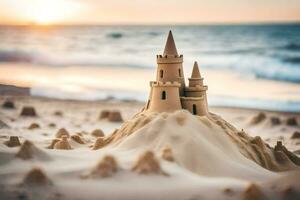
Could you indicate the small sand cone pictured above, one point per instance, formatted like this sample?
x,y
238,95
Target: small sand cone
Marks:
x,y
28,150
167,154
104,114
36,177
52,125
63,144
54,141
105,168
292,121
253,192
13,141
258,118
147,164
228,191
58,113
99,143
115,116
62,132
97,133
8,104
28,111
34,126
77,139
275,121
296,135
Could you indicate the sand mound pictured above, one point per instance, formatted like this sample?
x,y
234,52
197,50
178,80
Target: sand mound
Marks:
x,y
28,111
147,163
279,148
292,121
115,116
99,143
58,113
77,139
53,142
296,135
33,126
104,114
28,151
167,154
252,192
105,168
62,132
275,121
258,118
8,104
199,143
63,144
97,133
3,125
52,125
13,141
36,177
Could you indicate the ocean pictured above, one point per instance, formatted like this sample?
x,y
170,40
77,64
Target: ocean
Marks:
x,y
253,52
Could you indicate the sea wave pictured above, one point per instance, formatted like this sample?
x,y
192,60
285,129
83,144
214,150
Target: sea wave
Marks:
x,y
292,47
284,68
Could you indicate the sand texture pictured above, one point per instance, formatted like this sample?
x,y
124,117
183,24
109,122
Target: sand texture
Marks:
x,y
77,152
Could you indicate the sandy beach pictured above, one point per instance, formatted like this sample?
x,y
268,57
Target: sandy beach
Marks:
x,y
69,171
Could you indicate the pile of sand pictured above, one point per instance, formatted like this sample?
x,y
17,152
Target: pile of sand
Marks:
x,y
62,132
8,104
29,151
63,144
106,167
28,111
34,126
198,143
13,141
36,177
97,133
111,115
147,163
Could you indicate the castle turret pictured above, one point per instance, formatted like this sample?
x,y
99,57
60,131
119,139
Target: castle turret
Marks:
x,y
195,99
164,97
169,67
196,78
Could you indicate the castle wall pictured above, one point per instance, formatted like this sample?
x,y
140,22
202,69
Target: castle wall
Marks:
x,y
164,97
170,69
195,105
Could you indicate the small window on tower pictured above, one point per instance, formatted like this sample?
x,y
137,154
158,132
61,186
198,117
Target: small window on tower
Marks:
x,y
179,72
161,72
163,95
194,109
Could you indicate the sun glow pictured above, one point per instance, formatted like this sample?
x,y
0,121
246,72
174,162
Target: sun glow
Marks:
x,y
46,12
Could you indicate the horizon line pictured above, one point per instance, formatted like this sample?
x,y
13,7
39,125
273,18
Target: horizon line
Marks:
x,y
278,22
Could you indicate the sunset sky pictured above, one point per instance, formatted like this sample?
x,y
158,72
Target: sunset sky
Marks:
x,y
147,12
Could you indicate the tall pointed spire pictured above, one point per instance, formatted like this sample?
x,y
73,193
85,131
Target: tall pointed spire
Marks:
x,y
170,48
196,72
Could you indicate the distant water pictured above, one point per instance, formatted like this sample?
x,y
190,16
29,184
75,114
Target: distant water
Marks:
x,y
263,51
256,51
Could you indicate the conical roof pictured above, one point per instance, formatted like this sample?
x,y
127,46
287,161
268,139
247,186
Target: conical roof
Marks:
x,y
196,72
170,48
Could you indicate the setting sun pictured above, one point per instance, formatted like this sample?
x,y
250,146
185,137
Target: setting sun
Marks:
x,y
45,12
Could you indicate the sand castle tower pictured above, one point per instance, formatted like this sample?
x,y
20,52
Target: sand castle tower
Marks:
x,y
169,93
195,99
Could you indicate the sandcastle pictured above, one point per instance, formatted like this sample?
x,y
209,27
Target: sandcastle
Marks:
x,y
169,92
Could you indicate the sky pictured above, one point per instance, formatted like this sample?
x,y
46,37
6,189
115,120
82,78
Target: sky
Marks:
x,y
46,12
